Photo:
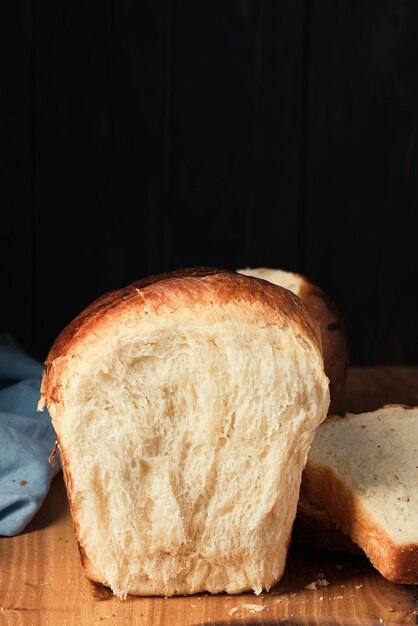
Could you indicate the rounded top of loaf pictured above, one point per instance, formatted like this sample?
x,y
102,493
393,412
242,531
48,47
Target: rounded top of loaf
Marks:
x,y
166,294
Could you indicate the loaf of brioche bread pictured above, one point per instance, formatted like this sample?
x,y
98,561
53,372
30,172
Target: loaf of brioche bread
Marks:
x,y
320,306
184,407
362,471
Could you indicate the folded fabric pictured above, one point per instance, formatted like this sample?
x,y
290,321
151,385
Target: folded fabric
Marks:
x,y
26,439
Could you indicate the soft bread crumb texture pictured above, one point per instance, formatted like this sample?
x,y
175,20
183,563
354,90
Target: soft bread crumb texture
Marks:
x,y
363,470
184,435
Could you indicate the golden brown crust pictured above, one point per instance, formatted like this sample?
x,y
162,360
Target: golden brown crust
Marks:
x,y
92,315
100,307
396,562
333,335
188,287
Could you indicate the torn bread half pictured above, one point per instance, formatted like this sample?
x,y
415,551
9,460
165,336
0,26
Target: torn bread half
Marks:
x,y
362,470
321,307
185,406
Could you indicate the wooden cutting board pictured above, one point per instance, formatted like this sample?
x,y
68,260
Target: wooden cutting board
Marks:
x,y
41,581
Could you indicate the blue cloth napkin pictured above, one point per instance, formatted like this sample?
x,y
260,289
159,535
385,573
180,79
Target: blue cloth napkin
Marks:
x,y
26,439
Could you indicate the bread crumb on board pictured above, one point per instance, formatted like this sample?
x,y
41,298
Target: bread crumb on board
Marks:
x,y
319,582
254,608
233,610
311,586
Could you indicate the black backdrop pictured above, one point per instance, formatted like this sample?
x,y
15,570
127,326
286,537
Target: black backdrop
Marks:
x,y
140,136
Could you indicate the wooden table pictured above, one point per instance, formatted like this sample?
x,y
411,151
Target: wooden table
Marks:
x,y
41,581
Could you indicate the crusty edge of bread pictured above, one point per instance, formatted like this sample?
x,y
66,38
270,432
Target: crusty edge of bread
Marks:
x,y
396,562
188,287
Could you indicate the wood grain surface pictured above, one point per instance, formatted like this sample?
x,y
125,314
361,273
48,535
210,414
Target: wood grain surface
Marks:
x,y
41,581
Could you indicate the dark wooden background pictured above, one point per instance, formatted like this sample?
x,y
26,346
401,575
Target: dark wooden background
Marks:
x,y
140,136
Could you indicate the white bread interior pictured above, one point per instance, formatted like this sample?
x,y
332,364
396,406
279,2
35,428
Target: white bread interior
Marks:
x,y
184,431
363,470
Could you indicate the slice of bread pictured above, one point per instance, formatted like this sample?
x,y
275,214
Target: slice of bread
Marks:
x,y
363,471
184,406
334,340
